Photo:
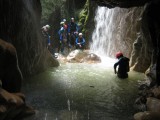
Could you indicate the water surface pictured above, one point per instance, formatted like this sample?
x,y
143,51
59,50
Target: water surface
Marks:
x,y
82,92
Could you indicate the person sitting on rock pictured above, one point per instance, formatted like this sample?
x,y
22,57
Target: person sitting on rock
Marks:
x,y
80,42
123,66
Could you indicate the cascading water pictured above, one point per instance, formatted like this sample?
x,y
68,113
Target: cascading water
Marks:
x,y
115,30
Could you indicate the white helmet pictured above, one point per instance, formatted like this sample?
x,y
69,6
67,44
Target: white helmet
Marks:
x,y
47,26
61,23
64,20
80,34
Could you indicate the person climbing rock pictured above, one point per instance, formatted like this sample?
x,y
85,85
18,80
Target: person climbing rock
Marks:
x,y
80,42
123,66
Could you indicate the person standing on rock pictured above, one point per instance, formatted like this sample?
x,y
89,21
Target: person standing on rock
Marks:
x,y
46,35
62,37
72,32
123,66
80,42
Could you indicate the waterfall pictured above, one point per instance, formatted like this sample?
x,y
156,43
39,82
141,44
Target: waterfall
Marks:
x,y
115,30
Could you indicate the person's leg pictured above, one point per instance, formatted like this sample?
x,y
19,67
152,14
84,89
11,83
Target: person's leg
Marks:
x,y
123,76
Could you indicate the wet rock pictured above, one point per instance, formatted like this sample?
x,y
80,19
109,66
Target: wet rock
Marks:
x,y
20,25
153,104
76,56
83,57
92,58
13,106
120,3
51,60
143,86
140,103
151,72
156,92
147,115
10,74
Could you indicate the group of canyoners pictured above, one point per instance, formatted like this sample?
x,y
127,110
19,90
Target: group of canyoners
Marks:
x,y
70,37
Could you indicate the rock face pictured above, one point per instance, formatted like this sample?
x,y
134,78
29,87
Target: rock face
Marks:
x,y
13,106
148,40
121,3
153,110
12,102
10,74
150,101
20,25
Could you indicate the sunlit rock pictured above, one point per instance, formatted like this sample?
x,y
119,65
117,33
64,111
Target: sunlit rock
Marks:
x,y
92,58
83,56
76,56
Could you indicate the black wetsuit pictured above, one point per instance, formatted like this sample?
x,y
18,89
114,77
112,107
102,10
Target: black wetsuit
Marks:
x,y
123,68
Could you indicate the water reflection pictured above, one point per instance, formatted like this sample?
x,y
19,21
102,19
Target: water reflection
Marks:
x,y
82,92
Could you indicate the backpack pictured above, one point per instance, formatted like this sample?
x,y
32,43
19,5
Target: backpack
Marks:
x,y
127,64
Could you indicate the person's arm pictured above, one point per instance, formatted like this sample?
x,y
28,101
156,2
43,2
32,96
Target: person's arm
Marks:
x,y
76,41
49,40
77,28
69,29
83,41
115,66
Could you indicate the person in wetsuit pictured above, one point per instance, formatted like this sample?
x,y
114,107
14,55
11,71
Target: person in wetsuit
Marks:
x,y
80,42
123,66
72,32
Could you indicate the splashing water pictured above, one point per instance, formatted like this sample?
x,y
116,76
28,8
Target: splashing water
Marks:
x,y
115,30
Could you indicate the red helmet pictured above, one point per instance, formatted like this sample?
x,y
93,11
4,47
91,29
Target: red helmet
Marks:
x,y
118,54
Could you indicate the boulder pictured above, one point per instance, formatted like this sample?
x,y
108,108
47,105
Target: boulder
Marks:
x,y
83,57
92,58
76,56
13,106
147,115
153,104
156,92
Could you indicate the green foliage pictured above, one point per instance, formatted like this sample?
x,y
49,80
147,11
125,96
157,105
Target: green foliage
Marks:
x,y
83,16
48,6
